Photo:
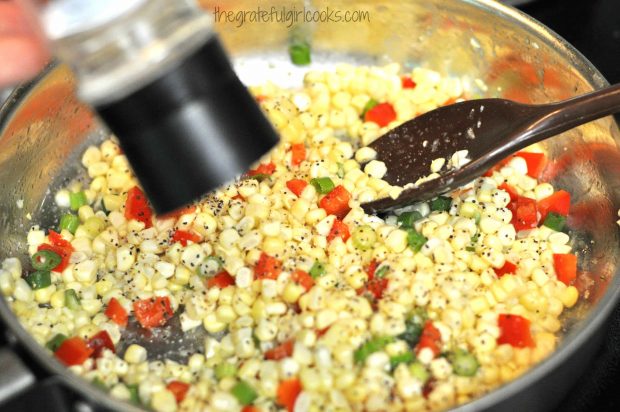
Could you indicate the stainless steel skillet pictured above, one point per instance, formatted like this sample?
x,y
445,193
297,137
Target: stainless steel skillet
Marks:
x,y
497,51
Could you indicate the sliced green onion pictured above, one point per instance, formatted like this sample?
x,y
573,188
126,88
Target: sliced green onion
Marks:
x,y
39,279
441,204
134,397
323,185
379,273
340,172
415,240
255,340
212,265
260,177
413,328
418,371
464,363
104,209
45,260
72,301
317,269
407,219
369,105
54,343
369,347
472,243
244,393
555,221
77,200
225,370
69,222
396,360
363,237
299,52
99,384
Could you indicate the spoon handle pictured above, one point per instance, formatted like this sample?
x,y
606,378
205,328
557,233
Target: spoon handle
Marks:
x,y
555,118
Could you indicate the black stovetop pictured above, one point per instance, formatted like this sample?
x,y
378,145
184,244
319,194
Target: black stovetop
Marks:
x,y
593,27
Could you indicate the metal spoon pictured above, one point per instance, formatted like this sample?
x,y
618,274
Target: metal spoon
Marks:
x,y
489,129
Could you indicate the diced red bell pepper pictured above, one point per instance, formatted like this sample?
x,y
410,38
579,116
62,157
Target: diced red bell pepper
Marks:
x,y
565,266
283,350
57,240
183,236
407,82
429,387
221,280
524,213
371,269
116,312
250,408
339,229
336,202
515,331
179,390
430,338
153,312
559,203
296,186
509,268
298,153
238,197
321,332
99,342
73,351
263,169
137,207
303,278
267,267
61,247
382,114
64,254
287,393
512,192
536,163
374,286
185,210
377,286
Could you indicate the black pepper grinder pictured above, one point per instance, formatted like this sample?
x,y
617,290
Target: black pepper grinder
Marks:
x,y
158,76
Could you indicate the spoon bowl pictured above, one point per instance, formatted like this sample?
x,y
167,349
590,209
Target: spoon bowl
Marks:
x,y
488,129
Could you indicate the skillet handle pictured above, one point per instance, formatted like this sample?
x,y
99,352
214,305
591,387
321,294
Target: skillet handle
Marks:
x,y
15,377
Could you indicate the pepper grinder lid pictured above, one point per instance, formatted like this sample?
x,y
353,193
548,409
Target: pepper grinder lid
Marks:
x,y
190,130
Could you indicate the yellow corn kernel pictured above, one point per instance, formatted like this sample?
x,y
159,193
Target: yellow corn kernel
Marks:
x,y
181,275
273,246
533,301
479,304
135,354
292,292
551,324
212,324
569,296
